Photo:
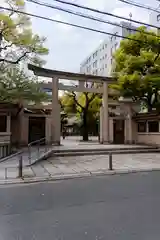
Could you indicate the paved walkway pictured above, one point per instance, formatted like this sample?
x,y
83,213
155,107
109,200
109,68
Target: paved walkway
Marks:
x,y
73,166
70,143
60,167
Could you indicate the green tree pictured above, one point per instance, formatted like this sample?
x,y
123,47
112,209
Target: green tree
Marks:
x,y
18,46
86,106
137,68
17,41
17,87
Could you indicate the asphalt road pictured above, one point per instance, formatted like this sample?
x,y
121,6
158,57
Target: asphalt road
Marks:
x,y
125,207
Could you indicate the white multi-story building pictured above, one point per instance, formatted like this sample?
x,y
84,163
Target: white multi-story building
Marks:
x,y
95,62
100,61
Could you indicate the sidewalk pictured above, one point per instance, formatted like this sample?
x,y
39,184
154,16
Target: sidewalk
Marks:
x,y
72,167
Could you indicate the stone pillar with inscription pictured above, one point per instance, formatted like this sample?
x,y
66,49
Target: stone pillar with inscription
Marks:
x,y
56,121
105,113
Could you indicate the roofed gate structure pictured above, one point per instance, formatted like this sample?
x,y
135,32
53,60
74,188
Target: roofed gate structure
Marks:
x,y
82,80
109,125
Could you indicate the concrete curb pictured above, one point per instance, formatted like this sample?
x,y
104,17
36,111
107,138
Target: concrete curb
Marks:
x,y
75,176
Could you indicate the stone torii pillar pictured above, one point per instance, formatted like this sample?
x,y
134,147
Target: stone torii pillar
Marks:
x,y
56,120
105,113
101,122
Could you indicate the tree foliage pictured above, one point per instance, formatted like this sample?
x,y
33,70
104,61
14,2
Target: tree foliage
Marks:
x,y
17,41
137,67
18,46
85,105
16,86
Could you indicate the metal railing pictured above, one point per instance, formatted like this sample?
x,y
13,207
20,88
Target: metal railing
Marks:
x,y
36,146
33,149
29,155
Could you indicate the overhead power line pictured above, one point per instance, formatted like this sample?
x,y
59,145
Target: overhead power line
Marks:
x,y
86,16
104,13
132,3
66,23
71,24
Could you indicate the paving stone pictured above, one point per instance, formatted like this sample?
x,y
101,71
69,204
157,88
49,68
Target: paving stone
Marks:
x,y
78,169
51,169
2,173
12,173
39,170
28,172
65,169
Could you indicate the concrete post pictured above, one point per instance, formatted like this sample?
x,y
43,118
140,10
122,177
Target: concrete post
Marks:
x,y
111,130
24,129
55,112
105,113
8,124
48,130
130,130
101,125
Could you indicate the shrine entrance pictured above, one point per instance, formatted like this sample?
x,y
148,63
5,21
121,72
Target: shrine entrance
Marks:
x,y
86,83
119,133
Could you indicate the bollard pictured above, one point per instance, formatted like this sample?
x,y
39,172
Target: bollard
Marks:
x,y
38,154
110,162
5,173
20,168
29,155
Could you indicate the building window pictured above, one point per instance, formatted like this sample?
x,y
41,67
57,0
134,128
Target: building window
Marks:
x,y
95,54
95,64
3,123
116,35
106,55
116,44
142,127
105,65
153,126
111,51
106,45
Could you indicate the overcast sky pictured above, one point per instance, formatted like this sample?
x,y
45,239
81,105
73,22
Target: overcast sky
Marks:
x,y
69,46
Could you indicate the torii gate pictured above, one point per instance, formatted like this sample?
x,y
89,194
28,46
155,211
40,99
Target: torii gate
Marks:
x,y
82,79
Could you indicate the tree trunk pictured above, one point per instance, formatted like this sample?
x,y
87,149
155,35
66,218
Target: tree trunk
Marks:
x,y
85,127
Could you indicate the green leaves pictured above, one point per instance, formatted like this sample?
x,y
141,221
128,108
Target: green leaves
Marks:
x,y
16,86
137,67
18,41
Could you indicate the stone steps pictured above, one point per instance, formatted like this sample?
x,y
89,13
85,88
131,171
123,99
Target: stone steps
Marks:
x,y
69,149
89,152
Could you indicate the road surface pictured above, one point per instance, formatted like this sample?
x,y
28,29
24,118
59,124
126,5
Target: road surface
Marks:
x,y
121,207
